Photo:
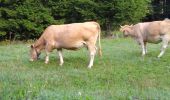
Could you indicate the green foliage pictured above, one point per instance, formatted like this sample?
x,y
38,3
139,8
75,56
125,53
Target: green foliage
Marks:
x,y
26,19
2,33
131,11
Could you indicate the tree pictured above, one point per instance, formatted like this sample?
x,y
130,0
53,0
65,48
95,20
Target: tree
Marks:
x,y
117,12
26,19
160,9
109,13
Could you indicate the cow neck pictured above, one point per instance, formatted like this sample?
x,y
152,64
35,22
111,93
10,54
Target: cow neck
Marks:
x,y
39,44
133,34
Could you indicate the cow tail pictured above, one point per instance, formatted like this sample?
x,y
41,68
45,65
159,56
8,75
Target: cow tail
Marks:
x,y
99,34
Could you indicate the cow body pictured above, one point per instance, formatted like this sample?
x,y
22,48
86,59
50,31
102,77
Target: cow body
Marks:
x,y
151,32
68,36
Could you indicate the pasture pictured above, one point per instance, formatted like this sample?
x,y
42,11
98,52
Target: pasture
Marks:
x,y
121,73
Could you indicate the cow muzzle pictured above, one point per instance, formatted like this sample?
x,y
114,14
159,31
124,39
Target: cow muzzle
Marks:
x,y
125,35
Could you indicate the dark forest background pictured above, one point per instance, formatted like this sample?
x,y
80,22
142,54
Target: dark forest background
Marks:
x,y
26,19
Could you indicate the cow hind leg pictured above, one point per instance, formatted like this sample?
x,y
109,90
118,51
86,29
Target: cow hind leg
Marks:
x,y
61,57
146,51
164,46
47,57
92,52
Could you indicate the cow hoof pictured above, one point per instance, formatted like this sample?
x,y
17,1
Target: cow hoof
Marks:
x,y
158,57
89,67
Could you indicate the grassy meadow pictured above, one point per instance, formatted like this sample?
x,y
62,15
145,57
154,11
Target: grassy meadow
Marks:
x,y
121,73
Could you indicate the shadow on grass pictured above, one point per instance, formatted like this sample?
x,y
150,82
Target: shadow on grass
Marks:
x,y
72,62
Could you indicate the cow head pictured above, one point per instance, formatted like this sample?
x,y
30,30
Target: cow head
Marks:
x,y
34,53
127,30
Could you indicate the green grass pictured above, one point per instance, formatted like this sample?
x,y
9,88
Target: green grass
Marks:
x,y
121,73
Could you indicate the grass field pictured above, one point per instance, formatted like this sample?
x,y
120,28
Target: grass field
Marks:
x,y
120,74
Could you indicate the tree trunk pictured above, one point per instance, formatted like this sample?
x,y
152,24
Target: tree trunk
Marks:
x,y
108,29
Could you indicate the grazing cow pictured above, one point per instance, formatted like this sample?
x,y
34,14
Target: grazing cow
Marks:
x,y
152,32
68,36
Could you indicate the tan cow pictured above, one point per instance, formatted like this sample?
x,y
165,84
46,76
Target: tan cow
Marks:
x,y
68,36
152,32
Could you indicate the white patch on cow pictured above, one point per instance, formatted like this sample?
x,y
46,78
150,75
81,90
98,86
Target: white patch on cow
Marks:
x,y
91,60
143,50
53,43
47,58
61,57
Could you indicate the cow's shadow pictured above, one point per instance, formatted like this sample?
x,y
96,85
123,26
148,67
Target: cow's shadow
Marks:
x,y
69,61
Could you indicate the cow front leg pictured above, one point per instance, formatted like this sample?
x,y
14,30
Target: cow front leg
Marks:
x,y
47,57
146,51
143,49
92,51
142,44
164,46
61,57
